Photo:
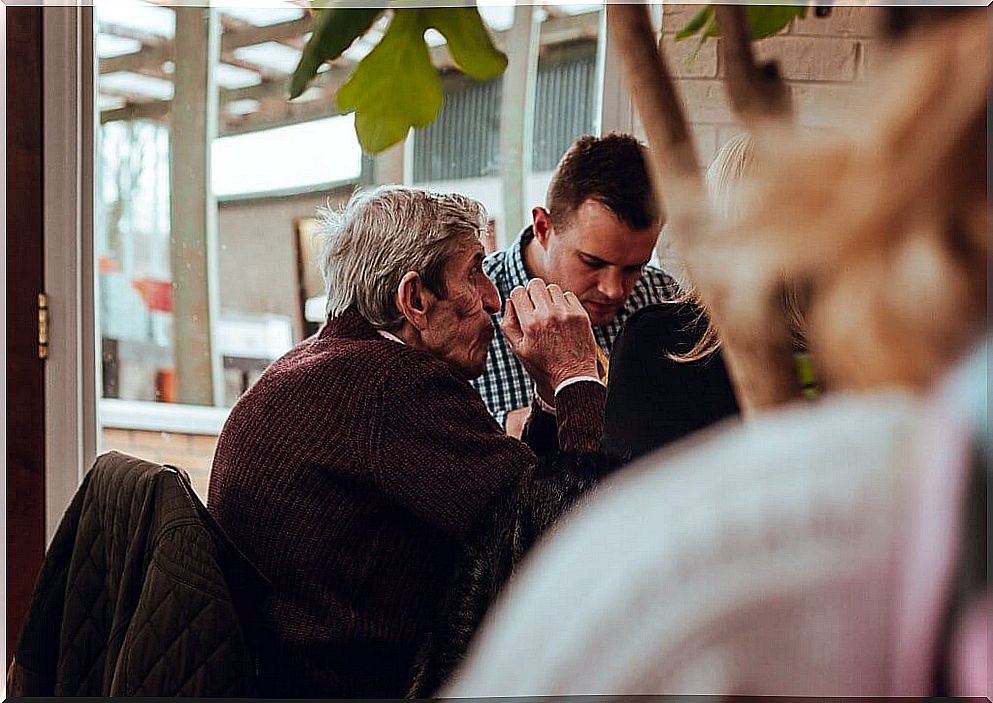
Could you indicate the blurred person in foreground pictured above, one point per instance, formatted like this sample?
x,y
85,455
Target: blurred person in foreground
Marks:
x,y
728,179
595,237
832,549
671,350
354,471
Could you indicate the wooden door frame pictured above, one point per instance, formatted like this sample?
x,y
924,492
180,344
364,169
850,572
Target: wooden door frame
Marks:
x,y
25,504
50,149
71,369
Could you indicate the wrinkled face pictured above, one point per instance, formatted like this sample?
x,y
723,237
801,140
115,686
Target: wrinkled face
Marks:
x,y
599,258
459,327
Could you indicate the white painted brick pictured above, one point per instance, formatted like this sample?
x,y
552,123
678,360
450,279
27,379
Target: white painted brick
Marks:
x,y
842,22
810,58
705,138
705,101
827,105
675,17
690,59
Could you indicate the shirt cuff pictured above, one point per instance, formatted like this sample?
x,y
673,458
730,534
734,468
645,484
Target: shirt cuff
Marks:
x,y
550,409
577,379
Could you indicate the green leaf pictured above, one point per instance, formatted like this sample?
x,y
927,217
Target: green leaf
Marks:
x,y
696,23
334,31
468,41
766,20
711,30
763,21
395,87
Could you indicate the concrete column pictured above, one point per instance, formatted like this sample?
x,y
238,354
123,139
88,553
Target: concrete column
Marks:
x,y
517,121
193,209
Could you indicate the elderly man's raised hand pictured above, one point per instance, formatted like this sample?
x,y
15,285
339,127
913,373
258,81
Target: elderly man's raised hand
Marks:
x,y
550,333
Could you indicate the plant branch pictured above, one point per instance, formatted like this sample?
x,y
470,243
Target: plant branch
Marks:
x,y
679,181
756,92
756,343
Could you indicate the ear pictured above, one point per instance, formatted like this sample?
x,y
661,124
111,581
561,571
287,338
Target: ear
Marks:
x,y
541,225
414,300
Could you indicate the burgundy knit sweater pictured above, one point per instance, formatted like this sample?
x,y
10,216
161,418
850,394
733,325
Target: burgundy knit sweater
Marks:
x,y
350,474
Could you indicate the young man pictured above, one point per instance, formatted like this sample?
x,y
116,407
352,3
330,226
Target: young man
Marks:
x,y
595,238
353,471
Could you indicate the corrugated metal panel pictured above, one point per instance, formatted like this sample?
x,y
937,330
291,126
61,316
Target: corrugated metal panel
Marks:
x,y
563,109
464,142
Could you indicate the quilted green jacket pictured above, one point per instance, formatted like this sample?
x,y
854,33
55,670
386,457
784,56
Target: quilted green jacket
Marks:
x,y
140,594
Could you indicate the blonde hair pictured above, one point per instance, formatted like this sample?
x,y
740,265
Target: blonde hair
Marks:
x,y
732,168
734,161
883,224
887,222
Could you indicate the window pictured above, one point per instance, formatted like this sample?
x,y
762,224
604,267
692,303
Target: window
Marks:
x,y
461,150
464,142
203,231
257,162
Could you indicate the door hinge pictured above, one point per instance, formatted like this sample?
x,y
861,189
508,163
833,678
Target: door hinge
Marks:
x,y
42,326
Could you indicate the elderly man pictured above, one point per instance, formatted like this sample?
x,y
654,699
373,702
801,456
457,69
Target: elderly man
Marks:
x,y
353,472
595,238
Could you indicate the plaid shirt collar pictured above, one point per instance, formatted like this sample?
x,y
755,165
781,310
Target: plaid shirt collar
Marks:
x,y
505,384
515,272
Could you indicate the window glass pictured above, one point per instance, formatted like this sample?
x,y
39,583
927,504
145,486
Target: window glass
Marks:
x,y
461,149
206,259
256,162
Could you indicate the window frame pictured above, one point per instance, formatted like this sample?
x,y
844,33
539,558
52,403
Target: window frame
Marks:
x,y
73,381
71,369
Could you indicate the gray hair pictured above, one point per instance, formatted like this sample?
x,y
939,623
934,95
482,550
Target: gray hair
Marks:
x,y
383,233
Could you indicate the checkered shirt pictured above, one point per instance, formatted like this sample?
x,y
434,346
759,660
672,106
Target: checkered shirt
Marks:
x,y
505,385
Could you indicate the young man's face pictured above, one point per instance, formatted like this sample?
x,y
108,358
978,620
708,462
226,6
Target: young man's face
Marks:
x,y
459,324
596,256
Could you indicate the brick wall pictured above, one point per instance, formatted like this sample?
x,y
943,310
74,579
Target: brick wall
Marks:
x,y
190,452
822,60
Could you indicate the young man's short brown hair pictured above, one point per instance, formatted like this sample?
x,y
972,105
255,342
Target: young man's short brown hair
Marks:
x,y
610,170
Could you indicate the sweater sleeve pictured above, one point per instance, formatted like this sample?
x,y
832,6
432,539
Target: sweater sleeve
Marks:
x,y
577,425
440,453
580,416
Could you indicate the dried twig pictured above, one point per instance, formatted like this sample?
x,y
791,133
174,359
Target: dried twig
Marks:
x,y
756,92
757,347
680,182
